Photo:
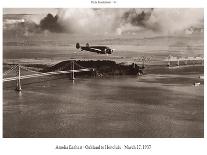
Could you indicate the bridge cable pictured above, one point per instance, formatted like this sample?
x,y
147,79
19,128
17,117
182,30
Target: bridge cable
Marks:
x,y
8,71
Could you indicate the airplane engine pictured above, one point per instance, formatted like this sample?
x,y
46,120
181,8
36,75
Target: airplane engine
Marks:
x,y
109,51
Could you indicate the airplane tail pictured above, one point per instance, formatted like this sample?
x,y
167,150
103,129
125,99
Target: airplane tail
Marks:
x,y
87,44
77,45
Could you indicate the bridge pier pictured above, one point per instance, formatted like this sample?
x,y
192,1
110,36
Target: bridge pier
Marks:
x,y
178,62
168,64
186,62
18,84
93,73
73,73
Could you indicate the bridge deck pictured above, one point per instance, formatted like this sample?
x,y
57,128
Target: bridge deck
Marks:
x,y
45,74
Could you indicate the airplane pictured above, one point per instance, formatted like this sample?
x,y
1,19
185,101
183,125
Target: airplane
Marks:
x,y
96,49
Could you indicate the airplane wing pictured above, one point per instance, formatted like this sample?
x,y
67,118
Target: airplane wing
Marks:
x,y
96,49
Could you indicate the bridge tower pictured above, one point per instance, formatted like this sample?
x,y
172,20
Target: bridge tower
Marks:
x,y
186,61
72,68
18,86
202,61
178,61
143,62
168,64
169,61
93,71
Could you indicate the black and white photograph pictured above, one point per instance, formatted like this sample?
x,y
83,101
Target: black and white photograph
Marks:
x,y
103,72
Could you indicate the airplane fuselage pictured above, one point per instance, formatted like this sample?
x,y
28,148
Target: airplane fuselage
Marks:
x,y
96,49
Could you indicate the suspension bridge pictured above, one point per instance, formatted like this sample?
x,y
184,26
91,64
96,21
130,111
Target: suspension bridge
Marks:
x,y
74,68
184,60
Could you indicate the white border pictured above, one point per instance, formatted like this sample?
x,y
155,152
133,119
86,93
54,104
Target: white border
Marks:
x,y
88,4
46,146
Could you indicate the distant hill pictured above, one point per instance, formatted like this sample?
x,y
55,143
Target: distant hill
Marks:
x,y
104,67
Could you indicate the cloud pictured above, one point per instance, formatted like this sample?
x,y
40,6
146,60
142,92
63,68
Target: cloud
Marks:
x,y
113,20
88,20
50,23
175,20
119,21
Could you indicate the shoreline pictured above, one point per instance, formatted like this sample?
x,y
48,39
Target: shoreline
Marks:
x,y
108,68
